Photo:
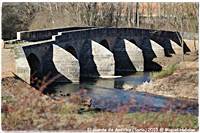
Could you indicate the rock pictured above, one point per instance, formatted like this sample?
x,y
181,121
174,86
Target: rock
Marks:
x,y
87,101
127,86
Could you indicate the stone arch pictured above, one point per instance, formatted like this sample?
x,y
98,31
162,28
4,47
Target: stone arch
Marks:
x,y
144,44
133,41
72,50
105,44
137,42
88,67
123,62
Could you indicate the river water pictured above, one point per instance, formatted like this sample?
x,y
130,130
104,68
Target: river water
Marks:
x,y
113,95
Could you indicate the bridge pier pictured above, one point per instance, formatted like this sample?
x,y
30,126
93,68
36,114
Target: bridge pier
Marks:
x,y
128,57
96,60
177,49
165,43
158,50
135,55
66,64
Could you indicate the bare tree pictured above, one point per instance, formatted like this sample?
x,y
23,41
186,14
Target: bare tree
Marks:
x,y
24,16
118,14
137,21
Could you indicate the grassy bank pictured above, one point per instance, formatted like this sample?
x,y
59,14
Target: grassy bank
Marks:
x,y
169,70
24,108
178,81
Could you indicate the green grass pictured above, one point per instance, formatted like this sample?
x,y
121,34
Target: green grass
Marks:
x,y
169,70
7,98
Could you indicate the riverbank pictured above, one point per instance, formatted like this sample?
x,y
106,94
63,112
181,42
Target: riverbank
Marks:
x,y
24,108
181,83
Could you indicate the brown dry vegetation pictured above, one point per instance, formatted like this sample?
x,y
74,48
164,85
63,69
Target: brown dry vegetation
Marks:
x,y
24,108
182,83
20,16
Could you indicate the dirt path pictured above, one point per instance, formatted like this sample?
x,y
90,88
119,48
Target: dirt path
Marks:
x,y
8,62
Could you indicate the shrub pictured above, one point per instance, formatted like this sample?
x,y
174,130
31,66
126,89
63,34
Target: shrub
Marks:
x,y
169,70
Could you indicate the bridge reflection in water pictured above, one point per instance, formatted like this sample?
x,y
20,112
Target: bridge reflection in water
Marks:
x,y
110,95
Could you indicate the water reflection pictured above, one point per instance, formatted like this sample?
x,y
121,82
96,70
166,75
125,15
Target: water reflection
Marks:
x,y
125,82
109,94
132,81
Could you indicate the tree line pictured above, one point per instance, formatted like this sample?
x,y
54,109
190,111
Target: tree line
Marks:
x,y
29,16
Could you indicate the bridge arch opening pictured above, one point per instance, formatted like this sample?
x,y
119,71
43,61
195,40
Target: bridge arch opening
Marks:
x,y
35,67
105,44
133,41
72,51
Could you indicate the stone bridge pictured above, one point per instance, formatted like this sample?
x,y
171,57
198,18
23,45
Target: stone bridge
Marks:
x,y
78,52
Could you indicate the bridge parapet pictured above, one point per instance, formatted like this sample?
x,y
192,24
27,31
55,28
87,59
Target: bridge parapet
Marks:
x,y
39,35
119,32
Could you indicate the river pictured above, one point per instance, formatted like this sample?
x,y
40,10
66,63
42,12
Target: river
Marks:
x,y
113,94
